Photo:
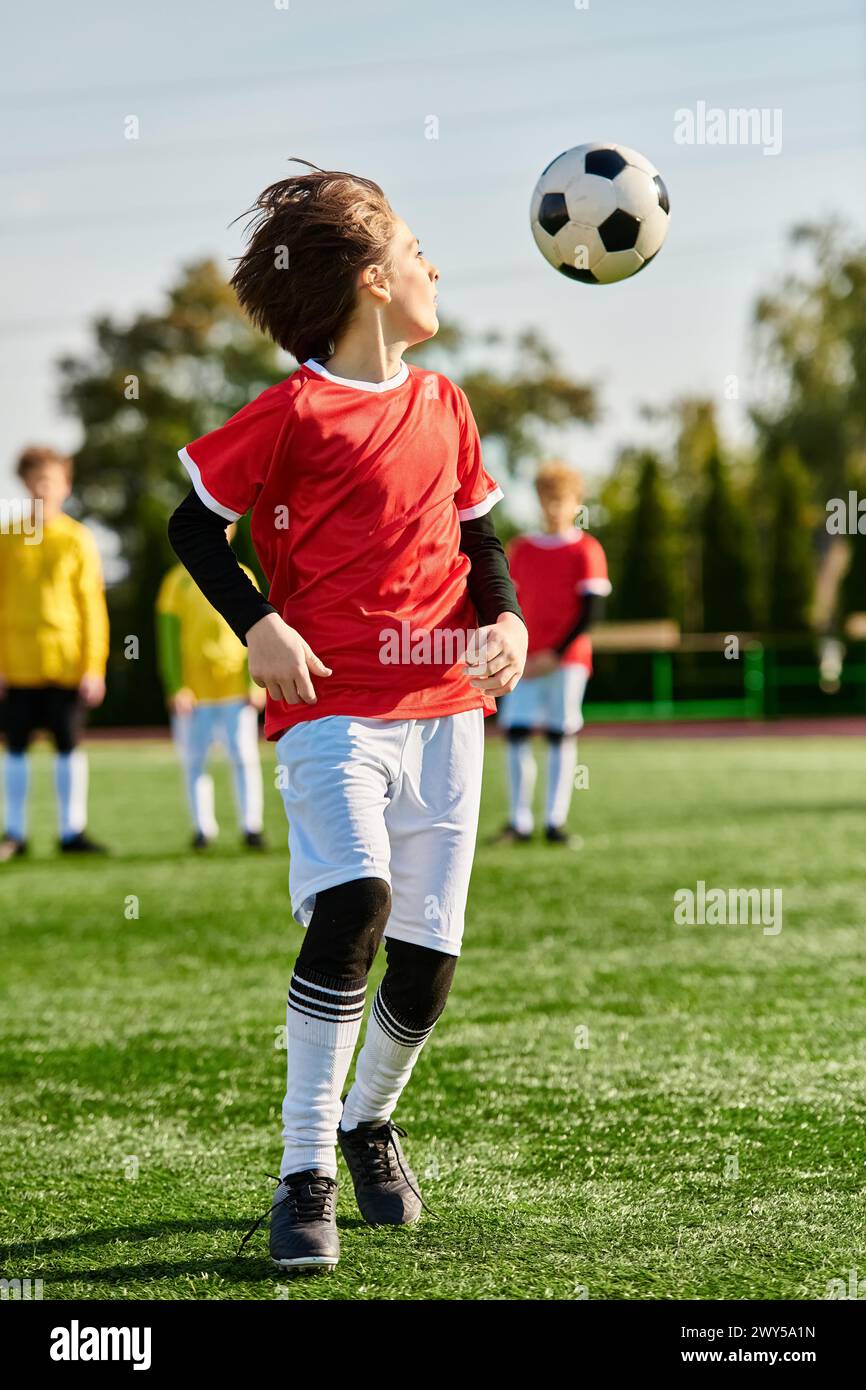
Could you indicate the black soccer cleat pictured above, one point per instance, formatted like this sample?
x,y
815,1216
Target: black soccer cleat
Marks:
x,y
303,1233
386,1189
80,844
510,835
557,835
254,839
11,848
200,841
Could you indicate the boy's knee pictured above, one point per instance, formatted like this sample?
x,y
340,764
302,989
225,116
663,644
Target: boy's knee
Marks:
x,y
346,928
416,983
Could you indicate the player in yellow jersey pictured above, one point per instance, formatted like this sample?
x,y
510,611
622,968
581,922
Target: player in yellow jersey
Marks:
x,y
211,698
53,645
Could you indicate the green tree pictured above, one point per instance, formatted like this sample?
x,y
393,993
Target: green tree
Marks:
x,y
727,555
695,441
811,341
853,598
791,551
648,587
140,393
612,519
810,335
853,589
517,404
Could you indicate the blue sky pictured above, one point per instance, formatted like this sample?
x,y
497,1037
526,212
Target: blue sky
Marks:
x,y
225,91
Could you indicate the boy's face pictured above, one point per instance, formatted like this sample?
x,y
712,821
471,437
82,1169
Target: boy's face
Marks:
x,y
411,312
559,509
49,484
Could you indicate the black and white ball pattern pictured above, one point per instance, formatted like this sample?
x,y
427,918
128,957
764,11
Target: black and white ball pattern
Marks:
x,y
600,213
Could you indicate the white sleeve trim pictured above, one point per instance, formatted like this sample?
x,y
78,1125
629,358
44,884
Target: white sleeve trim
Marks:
x,y
481,508
201,491
602,587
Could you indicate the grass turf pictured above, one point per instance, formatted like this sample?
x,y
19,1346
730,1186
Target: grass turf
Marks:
x,y
707,1143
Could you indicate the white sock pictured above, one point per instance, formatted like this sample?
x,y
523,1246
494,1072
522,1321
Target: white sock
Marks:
x,y
70,781
323,1020
562,760
199,787
522,772
16,780
384,1066
247,771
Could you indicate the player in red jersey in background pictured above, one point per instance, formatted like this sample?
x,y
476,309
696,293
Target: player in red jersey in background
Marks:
x,y
561,580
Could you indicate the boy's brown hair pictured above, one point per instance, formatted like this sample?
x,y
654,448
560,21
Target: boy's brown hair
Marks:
x,y
309,236
35,455
558,479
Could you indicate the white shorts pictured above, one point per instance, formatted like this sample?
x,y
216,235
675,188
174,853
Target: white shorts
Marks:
x,y
554,702
395,799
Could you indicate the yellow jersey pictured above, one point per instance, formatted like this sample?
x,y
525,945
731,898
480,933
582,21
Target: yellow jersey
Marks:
x,y
53,617
213,661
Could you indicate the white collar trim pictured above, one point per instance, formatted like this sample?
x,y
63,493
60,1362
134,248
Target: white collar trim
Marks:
x,y
377,386
552,542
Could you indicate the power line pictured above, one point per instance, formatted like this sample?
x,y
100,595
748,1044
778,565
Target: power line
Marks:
x,y
532,113
189,84
40,225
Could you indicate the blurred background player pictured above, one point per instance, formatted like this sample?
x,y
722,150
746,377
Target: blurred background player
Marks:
x,y
53,647
210,697
561,580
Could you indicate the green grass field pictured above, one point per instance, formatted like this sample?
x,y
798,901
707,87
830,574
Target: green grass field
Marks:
x,y
708,1143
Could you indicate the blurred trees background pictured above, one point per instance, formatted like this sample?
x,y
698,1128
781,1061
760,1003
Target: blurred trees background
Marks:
x,y
144,391
721,539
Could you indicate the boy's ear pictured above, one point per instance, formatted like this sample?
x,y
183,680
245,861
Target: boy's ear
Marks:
x,y
373,279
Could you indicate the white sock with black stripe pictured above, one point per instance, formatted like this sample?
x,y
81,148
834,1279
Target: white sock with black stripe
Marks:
x,y
323,1020
522,772
384,1066
70,780
561,763
17,778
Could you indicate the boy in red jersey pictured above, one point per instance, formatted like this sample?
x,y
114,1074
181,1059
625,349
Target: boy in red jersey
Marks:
x,y
561,579
391,624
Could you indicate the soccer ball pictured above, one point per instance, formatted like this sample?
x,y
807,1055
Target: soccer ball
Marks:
x,y
599,213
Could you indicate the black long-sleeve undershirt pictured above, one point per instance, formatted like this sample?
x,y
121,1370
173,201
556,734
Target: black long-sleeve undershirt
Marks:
x,y
491,587
590,612
198,538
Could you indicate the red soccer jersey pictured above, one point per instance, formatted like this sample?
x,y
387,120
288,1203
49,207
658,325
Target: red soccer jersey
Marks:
x,y
551,574
357,491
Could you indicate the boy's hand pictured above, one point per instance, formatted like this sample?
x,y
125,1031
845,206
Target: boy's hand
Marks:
x,y
496,655
182,702
282,662
540,664
92,690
